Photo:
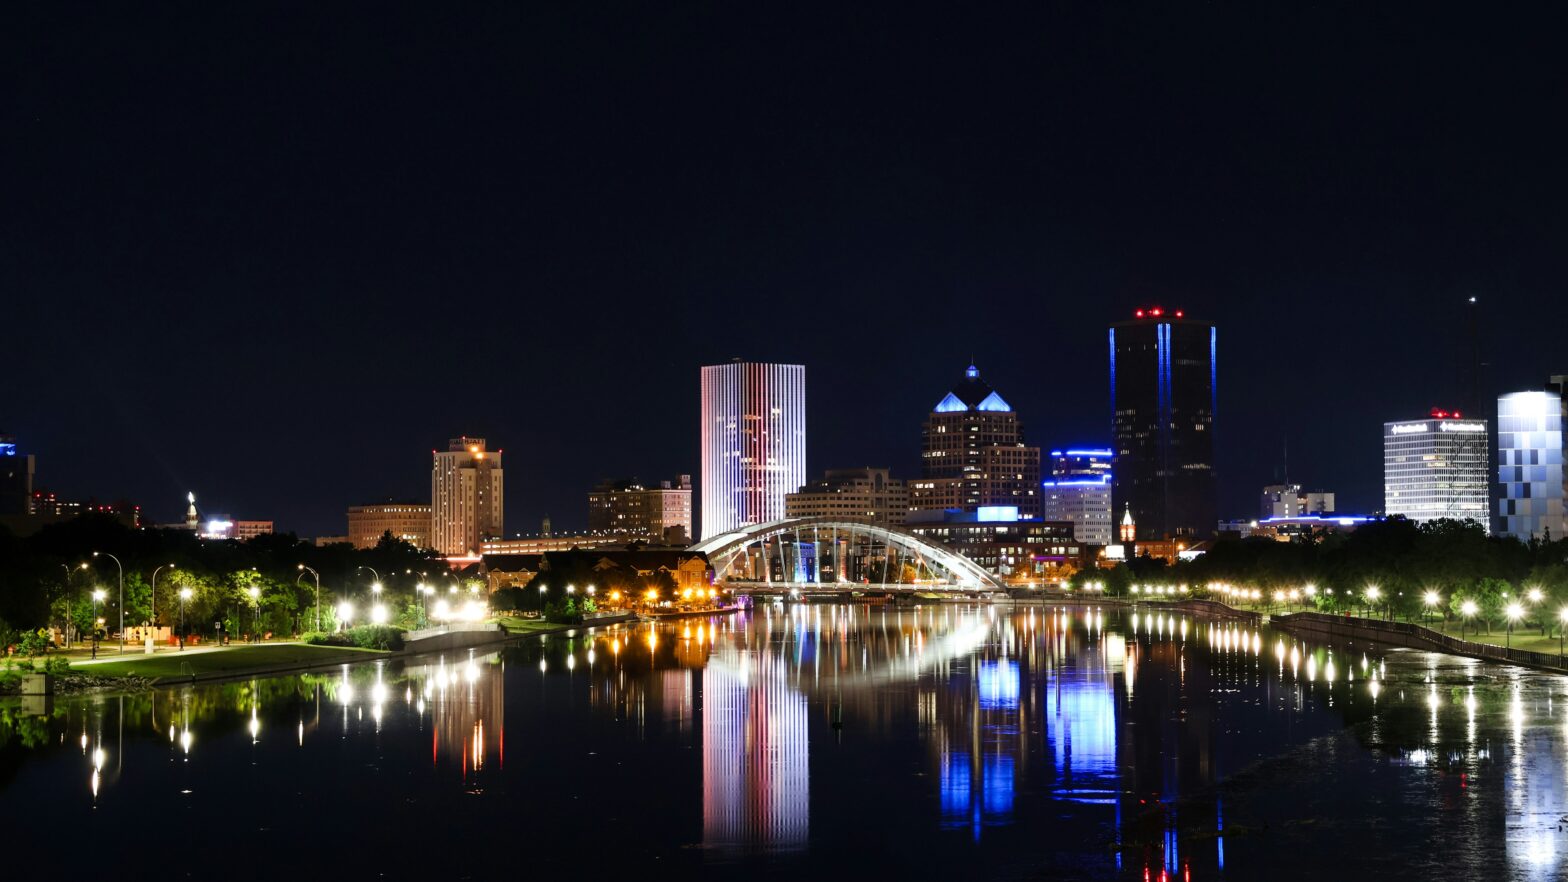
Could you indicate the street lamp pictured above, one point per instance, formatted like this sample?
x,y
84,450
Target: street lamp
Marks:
x,y
121,571
1429,600
345,615
1514,611
255,605
1373,593
1468,609
98,595
1536,597
152,600
185,595
541,599
306,569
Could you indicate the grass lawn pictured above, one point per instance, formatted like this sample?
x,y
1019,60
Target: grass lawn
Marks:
x,y
1525,636
236,658
515,625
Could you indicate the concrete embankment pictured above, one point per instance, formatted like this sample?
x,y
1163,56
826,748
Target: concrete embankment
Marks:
x,y
1412,636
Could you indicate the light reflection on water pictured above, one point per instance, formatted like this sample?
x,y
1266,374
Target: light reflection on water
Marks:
x,y
1076,741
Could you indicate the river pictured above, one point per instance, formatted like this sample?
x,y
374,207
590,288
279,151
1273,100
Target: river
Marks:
x,y
993,742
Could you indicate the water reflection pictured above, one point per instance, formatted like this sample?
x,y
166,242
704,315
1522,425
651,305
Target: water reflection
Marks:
x,y
1079,742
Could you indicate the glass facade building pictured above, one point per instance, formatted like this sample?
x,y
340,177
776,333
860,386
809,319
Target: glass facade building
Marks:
x,y
1163,400
1435,468
753,442
1530,488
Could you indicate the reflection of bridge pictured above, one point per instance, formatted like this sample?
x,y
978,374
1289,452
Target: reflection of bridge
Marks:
x,y
833,553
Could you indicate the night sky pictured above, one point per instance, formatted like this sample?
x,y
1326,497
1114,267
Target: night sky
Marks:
x,y
277,253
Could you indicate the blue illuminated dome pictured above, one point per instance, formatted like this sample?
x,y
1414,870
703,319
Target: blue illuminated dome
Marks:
x,y
972,393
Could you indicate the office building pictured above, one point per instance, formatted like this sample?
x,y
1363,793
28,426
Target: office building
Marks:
x,y
1079,491
1435,468
1289,501
16,478
1000,540
868,494
1531,489
629,508
1163,401
753,442
408,521
466,496
1083,502
973,454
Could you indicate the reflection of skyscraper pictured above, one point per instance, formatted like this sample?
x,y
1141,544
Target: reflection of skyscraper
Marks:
x,y
756,791
753,442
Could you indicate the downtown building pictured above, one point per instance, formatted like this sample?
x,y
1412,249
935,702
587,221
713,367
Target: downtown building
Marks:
x,y
1435,468
1532,489
869,494
1163,400
408,521
1290,501
973,454
466,496
1079,492
753,442
631,509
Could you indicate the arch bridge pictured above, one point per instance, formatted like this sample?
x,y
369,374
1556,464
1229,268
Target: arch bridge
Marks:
x,y
830,553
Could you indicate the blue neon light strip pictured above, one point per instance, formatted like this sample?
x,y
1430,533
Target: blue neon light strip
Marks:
x,y
1088,482
1113,377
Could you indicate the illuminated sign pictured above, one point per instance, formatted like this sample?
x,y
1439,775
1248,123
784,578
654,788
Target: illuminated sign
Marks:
x,y
1462,427
997,513
1409,428
7,449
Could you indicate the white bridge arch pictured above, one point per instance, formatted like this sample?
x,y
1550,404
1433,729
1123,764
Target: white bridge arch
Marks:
x,y
839,552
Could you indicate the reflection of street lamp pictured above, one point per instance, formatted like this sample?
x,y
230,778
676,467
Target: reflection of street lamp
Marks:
x,y
185,595
1468,609
1514,612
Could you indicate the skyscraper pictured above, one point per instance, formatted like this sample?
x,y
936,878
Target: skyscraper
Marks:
x,y
973,454
16,478
1435,468
1163,400
1531,486
753,442
466,496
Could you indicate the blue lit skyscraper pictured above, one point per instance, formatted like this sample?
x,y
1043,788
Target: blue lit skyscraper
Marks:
x,y
753,442
1530,482
1079,491
1163,399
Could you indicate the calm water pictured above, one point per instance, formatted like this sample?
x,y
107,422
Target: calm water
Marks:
x,y
823,740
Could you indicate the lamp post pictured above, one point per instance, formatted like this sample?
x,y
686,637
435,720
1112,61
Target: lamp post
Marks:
x,y
121,570
152,599
541,599
306,569
1373,593
98,596
185,595
1514,611
1468,610
1536,597
255,605
1562,623
1429,601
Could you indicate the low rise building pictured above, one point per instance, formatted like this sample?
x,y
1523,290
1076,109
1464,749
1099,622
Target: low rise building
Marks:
x,y
405,520
630,509
866,494
996,538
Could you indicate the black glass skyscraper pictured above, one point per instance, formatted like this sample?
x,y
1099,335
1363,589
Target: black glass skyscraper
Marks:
x,y
1162,423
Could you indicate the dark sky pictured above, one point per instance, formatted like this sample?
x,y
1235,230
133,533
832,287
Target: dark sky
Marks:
x,y
277,253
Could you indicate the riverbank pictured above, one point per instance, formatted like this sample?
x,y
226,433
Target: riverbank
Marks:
x,y
1380,631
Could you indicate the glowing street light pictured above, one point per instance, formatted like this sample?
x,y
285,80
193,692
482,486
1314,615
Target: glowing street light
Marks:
x,y
121,570
1467,609
255,605
185,596
1514,612
345,615
378,614
1429,601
